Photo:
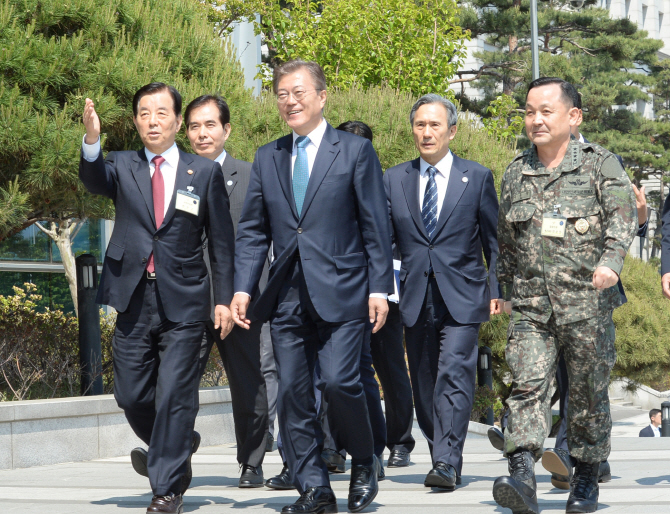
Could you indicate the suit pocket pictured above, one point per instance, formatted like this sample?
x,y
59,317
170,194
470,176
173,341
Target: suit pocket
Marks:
x,y
335,177
477,274
115,251
193,269
351,260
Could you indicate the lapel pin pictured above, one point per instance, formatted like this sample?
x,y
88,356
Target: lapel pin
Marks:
x,y
464,179
190,172
230,183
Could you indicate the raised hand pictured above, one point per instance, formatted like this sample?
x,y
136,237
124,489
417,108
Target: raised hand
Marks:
x,y
91,122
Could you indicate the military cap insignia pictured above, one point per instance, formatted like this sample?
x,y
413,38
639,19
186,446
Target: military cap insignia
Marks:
x,y
581,226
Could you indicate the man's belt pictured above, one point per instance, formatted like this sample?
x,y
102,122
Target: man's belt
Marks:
x,y
151,275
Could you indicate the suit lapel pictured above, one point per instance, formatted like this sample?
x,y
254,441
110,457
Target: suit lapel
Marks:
x,y
182,180
324,160
455,188
142,176
282,158
410,185
229,173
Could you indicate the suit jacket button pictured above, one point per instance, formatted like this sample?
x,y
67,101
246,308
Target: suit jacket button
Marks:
x,y
425,273
155,238
430,247
144,260
300,230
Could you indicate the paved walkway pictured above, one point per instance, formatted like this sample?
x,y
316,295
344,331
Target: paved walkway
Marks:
x,y
640,469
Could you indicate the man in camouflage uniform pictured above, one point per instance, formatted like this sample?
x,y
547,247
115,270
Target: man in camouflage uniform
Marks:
x,y
567,218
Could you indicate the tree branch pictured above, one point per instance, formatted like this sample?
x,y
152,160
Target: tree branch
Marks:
x,y
487,69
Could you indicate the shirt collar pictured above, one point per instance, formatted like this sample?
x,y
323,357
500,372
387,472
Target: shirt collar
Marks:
x,y
221,157
315,136
581,138
171,155
442,167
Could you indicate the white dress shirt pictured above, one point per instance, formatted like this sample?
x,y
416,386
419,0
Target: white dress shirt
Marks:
x,y
168,168
315,138
657,430
441,179
221,158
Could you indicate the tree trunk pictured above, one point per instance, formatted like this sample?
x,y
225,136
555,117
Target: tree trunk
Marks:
x,y
62,234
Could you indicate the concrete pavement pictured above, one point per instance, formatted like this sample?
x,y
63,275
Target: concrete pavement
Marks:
x,y
640,469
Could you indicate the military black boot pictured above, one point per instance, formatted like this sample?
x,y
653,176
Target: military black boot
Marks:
x,y
584,488
518,491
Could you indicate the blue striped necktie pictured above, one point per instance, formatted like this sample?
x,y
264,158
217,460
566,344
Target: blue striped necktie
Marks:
x,y
300,173
429,209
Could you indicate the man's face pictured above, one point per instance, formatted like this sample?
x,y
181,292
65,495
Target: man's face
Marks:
x,y
548,119
205,132
302,114
432,133
656,420
156,121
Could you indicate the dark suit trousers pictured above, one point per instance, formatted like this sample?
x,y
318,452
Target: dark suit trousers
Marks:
x,y
241,355
388,359
269,370
156,378
299,338
372,398
442,356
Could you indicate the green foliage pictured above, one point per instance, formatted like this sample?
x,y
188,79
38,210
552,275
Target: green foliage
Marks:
x,y
224,13
54,54
504,122
39,351
485,398
406,45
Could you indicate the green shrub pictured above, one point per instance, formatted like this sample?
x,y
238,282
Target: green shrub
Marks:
x,y
39,351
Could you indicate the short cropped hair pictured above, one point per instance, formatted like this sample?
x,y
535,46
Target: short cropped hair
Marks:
x,y
356,127
219,102
654,412
432,98
571,97
318,76
156,87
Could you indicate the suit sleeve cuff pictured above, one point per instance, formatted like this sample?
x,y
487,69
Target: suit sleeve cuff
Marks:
x,y
90,152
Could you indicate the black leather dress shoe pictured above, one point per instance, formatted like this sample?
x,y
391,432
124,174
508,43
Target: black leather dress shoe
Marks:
x,y
269,443
363,486
282,481
251,476
138,458
381,476
442,475
557,462
398,459
188,476
316,500
496,438
172,504
334,461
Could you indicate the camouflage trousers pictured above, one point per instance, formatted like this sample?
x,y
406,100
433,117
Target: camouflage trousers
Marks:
x,y
532,354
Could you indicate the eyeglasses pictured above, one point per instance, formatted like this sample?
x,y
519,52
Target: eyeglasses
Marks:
x,y
298,95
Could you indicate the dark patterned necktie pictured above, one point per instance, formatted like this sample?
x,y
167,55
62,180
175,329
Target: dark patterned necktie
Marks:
x,y
429,209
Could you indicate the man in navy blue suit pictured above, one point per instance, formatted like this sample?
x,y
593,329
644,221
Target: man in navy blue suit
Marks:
x,y
155,276
655,420
444,215
317,196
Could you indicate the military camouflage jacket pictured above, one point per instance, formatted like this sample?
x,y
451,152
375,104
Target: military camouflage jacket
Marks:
x,y
542,274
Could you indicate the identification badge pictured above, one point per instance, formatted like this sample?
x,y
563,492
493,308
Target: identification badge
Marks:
x,y
187,202
553,224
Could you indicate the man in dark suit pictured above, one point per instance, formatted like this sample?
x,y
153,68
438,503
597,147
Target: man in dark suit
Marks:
x,y
444,213
318,196
155,276
655,420
207,120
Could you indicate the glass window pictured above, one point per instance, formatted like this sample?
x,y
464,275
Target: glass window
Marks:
x,y
53,287
31,244
88,240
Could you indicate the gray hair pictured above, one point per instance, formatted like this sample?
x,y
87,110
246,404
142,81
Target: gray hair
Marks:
x,y
432,98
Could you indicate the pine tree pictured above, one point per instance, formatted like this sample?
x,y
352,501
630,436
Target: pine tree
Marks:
x,y
54,54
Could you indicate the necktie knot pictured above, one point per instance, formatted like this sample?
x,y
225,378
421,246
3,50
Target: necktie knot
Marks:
x,y
432,170
158,160
302,141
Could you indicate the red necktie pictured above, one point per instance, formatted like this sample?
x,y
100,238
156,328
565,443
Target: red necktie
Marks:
x,y
158,191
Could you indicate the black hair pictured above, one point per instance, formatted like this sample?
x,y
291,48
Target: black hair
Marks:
x,y
224,110
356,127
654,412
570,95
156,87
